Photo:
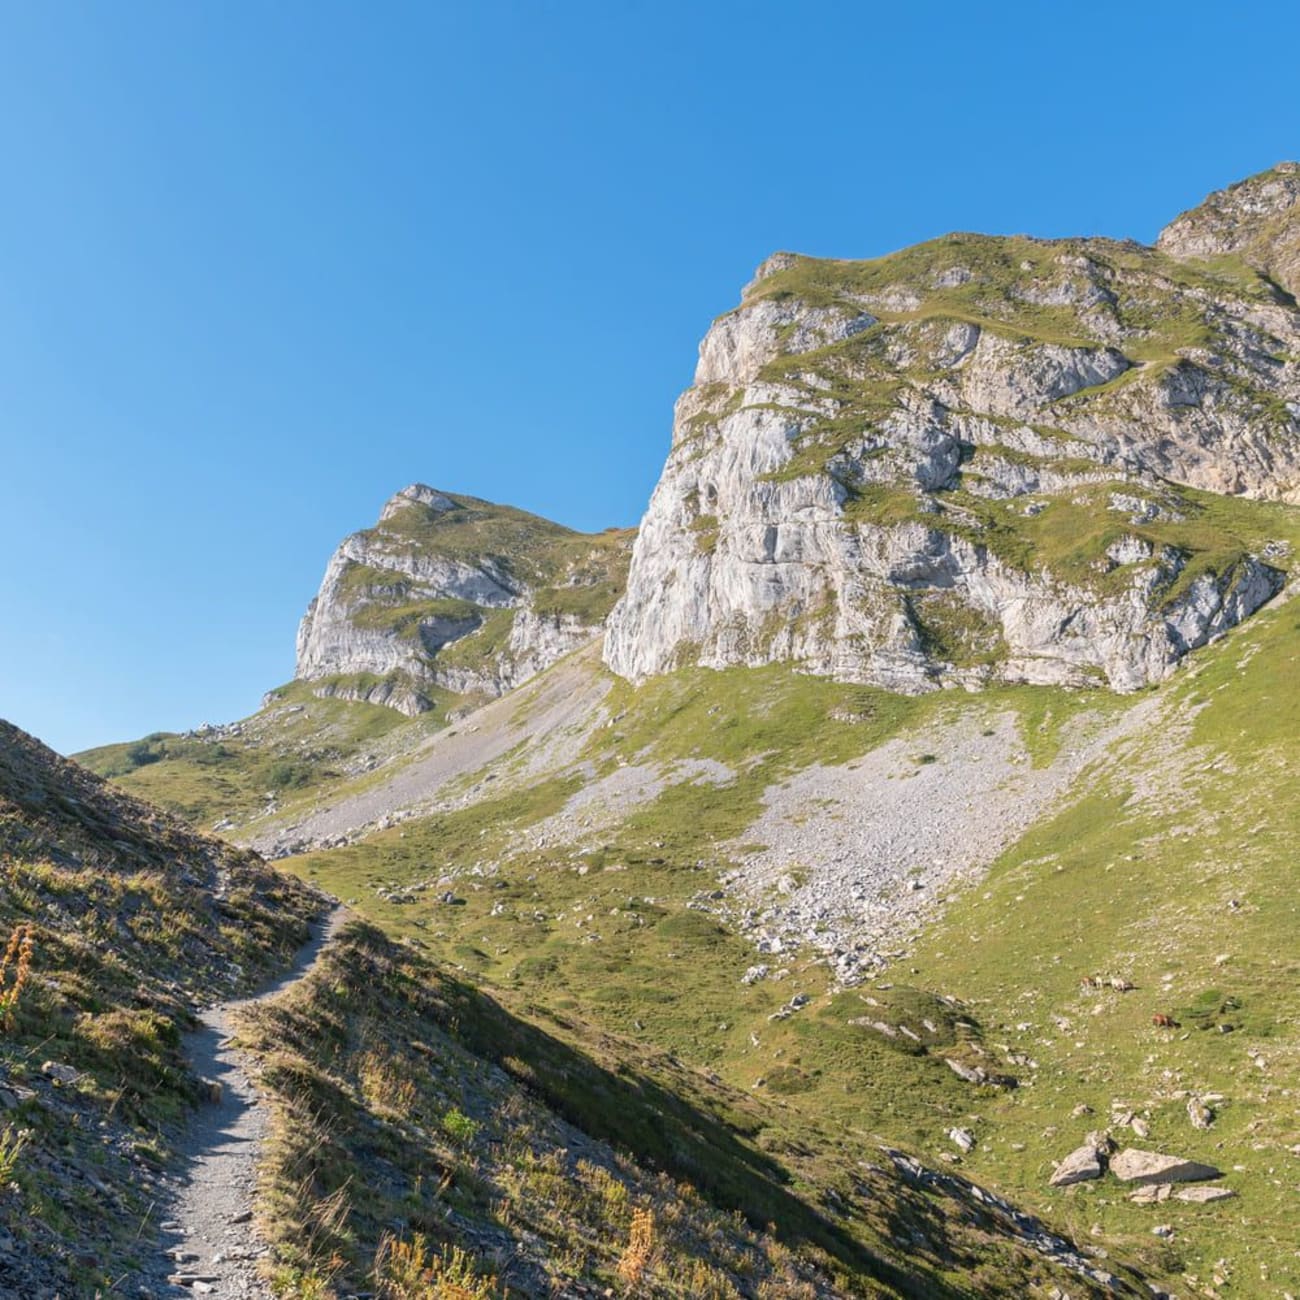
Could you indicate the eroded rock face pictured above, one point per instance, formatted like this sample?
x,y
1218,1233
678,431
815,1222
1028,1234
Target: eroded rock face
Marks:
x,y
453,594
1255,219
903,472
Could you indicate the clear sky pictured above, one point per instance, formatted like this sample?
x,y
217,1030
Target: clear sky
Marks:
x,y
263,264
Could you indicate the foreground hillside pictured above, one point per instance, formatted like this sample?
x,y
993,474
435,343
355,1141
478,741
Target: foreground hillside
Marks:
x,y
514,1152
124,921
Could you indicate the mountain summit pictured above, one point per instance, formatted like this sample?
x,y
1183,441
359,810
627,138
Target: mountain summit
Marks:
x,y
982,458
452,596
1257,220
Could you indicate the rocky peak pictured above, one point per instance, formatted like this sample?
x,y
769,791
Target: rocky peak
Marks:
x,y
770,266
1257,219
449,596
977,459
418,494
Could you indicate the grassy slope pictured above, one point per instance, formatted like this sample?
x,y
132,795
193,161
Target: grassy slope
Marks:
x,y
1005,272
408,1101
608,937
296,748
845,1087
134,920
1176,870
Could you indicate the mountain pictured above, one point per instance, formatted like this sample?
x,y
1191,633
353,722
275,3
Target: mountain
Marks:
x,y
983,459
732,899
449,595
1253,221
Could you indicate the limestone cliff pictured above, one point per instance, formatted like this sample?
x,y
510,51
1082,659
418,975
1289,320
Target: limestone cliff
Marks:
x,y
983,459
452,594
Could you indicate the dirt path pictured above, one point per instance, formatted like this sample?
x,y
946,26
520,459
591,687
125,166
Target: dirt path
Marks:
x,y
208,1243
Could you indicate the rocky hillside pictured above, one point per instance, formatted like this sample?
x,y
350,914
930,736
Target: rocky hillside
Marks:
x,y
1254,220
452,595
983,458
425,1138
130,920
783,921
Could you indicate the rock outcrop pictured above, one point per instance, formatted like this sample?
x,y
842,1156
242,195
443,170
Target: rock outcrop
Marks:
x,y
1255,220
452,594
982,459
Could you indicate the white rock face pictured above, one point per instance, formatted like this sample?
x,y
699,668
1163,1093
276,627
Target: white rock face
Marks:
x,y
744,341
396,597
797,521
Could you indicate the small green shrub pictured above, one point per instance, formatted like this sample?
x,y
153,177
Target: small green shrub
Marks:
x,y
459,1127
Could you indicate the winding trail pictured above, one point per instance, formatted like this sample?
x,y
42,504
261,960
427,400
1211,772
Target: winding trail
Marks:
x,y
209,1243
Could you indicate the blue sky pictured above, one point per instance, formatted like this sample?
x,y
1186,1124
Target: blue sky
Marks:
x,y
262,265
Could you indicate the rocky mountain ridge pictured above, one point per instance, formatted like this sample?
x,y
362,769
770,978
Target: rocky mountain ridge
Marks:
x,y
982,458
450,594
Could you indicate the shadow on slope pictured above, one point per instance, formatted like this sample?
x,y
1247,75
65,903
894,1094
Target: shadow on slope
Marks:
x,y
400,1110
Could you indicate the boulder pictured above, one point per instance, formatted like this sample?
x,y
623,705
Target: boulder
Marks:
x,y
1134,1166
1079,1166
963,1138
1203,1195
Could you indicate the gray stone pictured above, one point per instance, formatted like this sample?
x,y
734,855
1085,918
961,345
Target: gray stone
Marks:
x,y
1081,1165
1204,1195
963,1138
1134,1166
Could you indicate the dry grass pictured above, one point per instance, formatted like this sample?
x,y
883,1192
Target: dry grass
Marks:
x,y
640,1249
18,958
12,1142
414,1270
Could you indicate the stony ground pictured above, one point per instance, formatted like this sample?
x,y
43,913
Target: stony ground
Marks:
x,y
849,860
210,1244
547,722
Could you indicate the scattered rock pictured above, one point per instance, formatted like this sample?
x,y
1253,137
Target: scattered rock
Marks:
x,y
1081,1165
1204,1195
1199,1113
59,1073
1134,1166
963,1138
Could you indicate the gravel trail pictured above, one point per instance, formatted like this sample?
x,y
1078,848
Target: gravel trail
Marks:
x,y
209,1241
